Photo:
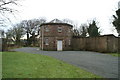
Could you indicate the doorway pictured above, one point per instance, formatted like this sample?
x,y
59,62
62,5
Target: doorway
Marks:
x,y
59,45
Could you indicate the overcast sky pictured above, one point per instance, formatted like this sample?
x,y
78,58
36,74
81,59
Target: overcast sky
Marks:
x,y
80,11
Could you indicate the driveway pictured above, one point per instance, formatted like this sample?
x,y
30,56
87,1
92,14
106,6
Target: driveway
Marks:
x,y
100,64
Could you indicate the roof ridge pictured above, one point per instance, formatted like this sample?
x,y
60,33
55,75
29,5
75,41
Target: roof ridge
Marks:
x,y
56,21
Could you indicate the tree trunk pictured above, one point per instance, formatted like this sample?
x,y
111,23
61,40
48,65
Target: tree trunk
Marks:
x,y
28,41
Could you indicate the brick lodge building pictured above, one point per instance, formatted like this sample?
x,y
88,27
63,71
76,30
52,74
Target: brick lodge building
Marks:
x,y
55,35
58,36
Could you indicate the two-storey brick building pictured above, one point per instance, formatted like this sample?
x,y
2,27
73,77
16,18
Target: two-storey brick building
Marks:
x,y
55,35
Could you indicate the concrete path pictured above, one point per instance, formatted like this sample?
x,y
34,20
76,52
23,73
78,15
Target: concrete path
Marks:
x,y
100,64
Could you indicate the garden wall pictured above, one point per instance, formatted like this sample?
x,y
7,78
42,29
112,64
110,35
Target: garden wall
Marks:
x,y
119,44
105,43
3,44
0,44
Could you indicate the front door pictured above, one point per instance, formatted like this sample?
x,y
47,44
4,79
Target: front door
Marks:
x,y
59,45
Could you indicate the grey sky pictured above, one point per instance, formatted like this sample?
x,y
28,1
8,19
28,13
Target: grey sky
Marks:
x,y
80,11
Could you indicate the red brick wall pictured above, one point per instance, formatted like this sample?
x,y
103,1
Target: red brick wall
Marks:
x,y
53,35
119,44
53,31
100,44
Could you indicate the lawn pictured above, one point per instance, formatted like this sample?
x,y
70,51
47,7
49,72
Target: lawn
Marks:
x,y
27,65
0,65
115,54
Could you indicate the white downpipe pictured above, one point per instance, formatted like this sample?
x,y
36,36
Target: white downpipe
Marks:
x,y
42,37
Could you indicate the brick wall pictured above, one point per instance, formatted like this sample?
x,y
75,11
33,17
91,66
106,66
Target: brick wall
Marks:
x,y
3,44
0,44
106,43
119,44
53,35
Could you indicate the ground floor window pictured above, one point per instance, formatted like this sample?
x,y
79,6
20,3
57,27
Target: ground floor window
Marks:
x,y
46,41
69,42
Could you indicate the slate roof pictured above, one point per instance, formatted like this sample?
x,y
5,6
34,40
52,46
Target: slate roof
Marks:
x,y
56,22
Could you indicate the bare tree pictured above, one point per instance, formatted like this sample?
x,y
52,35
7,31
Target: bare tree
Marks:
x,y
6,7
15,33
83,30
32,28
76,32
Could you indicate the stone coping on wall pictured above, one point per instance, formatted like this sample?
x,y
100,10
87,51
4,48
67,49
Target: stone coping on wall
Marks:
x,y
97,36
103,43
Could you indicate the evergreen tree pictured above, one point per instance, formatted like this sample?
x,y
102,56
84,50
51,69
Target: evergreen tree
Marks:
x,y
93,29
116,21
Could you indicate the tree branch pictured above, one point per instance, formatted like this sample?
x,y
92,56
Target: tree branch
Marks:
x,y
5,3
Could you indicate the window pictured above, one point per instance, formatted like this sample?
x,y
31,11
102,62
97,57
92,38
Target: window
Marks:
x,y
46,41
59,29
65,43
46,29
69,42
69,30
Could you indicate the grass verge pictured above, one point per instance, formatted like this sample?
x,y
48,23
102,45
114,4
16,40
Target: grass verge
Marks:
x,y
0,65
115,54
27,65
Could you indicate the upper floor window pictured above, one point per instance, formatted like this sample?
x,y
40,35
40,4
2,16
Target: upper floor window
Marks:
x,y
59,29
69,30
46,29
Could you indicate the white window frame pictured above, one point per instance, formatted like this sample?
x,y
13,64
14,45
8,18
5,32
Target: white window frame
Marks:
x,y
46,41
69,42
46,29
59,29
